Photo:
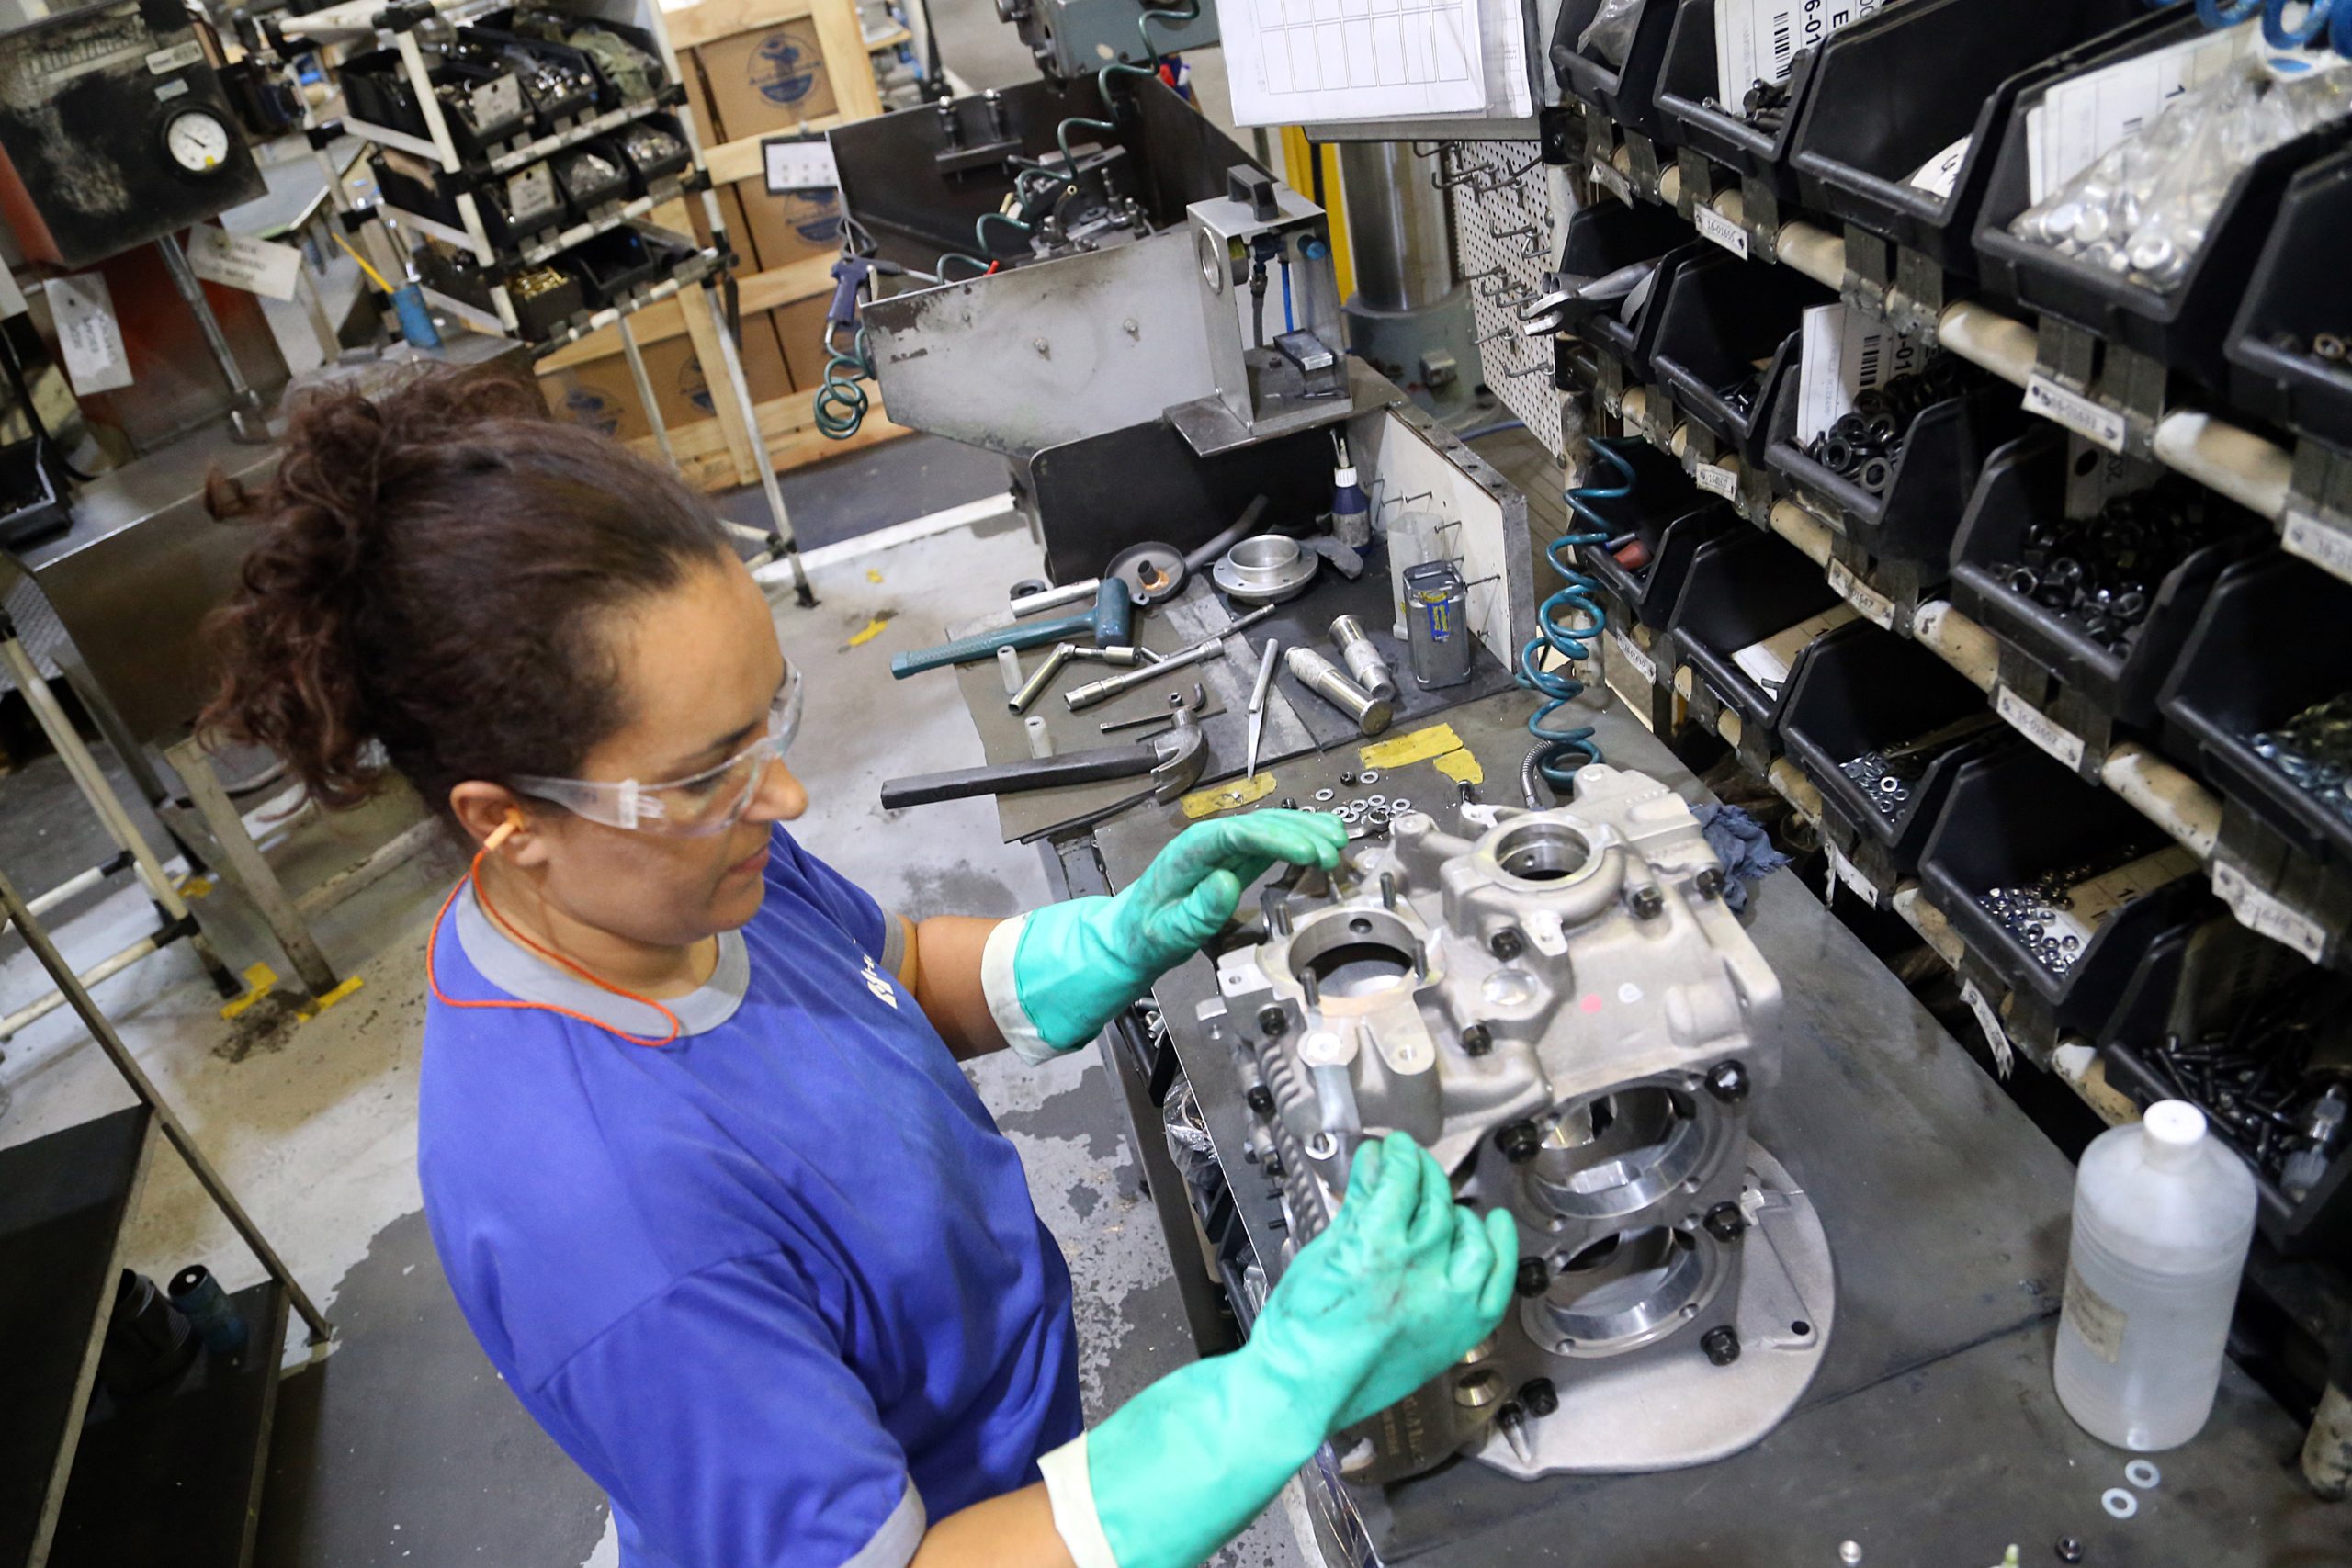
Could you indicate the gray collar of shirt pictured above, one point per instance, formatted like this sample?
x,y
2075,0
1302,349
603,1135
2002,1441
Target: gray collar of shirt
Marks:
x,y
526,977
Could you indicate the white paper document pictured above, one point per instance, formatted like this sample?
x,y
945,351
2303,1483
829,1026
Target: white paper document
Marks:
x,y
2080,119
1757,40
1295,61
1844,352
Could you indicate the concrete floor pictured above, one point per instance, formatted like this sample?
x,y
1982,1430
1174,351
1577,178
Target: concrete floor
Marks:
x,y
400,1446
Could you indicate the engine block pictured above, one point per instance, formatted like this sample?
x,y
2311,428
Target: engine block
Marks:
x,y
1564,1012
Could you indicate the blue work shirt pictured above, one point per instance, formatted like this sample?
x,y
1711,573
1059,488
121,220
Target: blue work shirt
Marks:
x,y
779,1286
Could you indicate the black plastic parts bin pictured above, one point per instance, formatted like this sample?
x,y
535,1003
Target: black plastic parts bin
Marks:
x,y
1690,115
2184,327
610,265
1863,689
1670,516
2012,815
2203,979
1720,320
2025,482
2294,298
674,155
539,316
1604,238
494,198
1742,588
1892,90
1623,91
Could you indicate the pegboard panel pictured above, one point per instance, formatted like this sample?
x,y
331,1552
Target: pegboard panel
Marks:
x,y
1506,236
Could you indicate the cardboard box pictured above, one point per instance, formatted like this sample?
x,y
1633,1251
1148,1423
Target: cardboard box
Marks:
x,y
600,393
699,118
770,79
731,212
790,227
801,325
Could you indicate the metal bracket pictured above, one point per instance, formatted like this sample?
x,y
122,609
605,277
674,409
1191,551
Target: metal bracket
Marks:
x,y
1760,216
2122,379
2316,523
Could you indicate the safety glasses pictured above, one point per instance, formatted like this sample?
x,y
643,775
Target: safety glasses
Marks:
x,y
710,802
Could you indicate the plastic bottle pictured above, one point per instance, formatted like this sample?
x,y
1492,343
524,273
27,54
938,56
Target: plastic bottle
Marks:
x,y
2162,1215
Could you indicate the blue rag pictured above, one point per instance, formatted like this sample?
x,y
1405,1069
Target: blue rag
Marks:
x,y
1741,843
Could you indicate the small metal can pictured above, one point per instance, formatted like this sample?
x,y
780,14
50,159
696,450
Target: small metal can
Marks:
x,y
1437,632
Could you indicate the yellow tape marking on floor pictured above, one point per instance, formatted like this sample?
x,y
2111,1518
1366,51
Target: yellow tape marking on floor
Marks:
x,y
868,632
1419,746
1226,796
320,1006
259,979
1461,766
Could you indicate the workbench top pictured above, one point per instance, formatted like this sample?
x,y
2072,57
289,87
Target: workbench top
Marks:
x,y
1932,1434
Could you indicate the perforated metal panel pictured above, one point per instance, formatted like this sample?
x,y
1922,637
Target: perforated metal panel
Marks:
x,y
1506,235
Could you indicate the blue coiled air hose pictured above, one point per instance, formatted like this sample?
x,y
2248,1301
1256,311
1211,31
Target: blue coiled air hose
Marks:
x,y
1559,752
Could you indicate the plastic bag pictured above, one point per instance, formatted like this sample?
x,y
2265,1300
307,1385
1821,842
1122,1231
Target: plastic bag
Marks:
x,y
2144,209
1609,37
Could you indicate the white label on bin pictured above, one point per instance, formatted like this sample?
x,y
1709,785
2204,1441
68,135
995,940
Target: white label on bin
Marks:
x,y
1988,1019
2260,910
1941,172
1851,875
1876,607
1641,663
1757,40
240,261
1843,353
2078,414
1606,177
1717,478
1714,225
2318,542
87,332
2096,1320
2038,728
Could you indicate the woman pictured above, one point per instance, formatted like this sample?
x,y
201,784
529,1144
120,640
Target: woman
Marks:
x,y
696,1151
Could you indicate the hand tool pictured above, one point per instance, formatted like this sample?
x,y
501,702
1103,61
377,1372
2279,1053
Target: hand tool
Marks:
x,y
1366,667
1322,677
1174,761
1127,658
1041,677
1111,621
1210,647
1258,706
1053,598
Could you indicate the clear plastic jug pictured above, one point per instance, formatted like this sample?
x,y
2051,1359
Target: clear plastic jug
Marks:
x,y
2162,1215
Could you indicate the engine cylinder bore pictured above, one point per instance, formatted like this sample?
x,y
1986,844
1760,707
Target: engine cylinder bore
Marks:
x,y
1543,851
1619,1152
1355,956
1625,1290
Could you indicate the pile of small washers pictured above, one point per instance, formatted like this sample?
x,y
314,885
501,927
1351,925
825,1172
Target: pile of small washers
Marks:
x,y
1366,816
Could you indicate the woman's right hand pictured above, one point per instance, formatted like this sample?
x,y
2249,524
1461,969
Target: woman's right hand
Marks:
x,y
1400,1285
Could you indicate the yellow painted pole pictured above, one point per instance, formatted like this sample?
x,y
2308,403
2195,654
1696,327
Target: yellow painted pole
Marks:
x,y
1298,170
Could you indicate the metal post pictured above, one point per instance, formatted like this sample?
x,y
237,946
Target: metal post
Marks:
x,y
92,780
645,391
246,420
780,540
103,1032
245,865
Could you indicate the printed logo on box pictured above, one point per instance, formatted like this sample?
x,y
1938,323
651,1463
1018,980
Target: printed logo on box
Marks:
x,y
694,386
781,70
816,217
586,405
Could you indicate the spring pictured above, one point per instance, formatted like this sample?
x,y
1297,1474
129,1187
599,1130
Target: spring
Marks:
x,y
1559,752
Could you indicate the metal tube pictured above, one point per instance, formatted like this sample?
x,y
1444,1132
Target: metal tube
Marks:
x,y
1110,686
1053,598
102,1029
1041,678
246,419
1396,228
1366,667
645,397
105,969
780,539
1322,677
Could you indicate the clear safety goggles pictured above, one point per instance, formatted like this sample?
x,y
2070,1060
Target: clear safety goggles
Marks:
x,y
710,801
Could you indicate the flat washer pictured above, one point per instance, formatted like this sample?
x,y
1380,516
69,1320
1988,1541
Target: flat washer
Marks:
x,y
1375,800
2119,1503
1400,805
1370,775
2143,1475
1327,793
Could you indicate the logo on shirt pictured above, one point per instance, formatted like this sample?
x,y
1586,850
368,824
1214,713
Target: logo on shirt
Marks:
x,y
879,983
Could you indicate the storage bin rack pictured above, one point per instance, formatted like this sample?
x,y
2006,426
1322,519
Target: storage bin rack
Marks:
x,y
1601,240
2048,661
1719,325
2284,853
469,149
1623,96
1716,149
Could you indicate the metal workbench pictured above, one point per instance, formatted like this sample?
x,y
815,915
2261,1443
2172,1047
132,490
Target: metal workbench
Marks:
x,y
1932,1434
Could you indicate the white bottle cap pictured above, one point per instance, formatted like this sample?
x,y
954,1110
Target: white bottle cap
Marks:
x,y
2174,1124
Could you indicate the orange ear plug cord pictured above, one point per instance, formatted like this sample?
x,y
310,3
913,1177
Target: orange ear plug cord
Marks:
x,y
505,830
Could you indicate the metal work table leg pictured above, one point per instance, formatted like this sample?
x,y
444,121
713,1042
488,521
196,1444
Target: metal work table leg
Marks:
x,y
248,867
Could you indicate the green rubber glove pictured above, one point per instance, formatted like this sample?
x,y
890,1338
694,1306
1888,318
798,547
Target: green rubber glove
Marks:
x,y
1401,1284
1057,976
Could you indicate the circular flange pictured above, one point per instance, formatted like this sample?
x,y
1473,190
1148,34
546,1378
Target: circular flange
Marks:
x,y
1266,569
1151,570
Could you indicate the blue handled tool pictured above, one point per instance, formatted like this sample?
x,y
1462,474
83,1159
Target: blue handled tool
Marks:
x,y
1110,622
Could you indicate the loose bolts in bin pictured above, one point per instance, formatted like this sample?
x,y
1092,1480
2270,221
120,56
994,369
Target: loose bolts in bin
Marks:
x,y
1322,677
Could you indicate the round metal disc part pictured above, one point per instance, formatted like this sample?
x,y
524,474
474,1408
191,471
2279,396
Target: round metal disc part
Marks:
x,y
1266,569
1151,570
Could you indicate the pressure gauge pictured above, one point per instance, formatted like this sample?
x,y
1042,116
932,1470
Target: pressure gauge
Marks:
x,y
197,141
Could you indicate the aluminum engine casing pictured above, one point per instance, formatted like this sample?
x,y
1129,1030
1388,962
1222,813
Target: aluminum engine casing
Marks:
x,y
1562,1010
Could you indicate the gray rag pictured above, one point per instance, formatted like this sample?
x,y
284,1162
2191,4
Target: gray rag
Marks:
x,y
1741,843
